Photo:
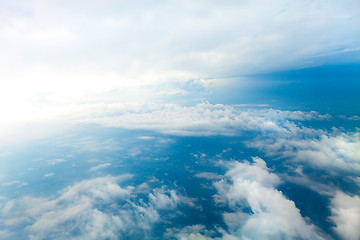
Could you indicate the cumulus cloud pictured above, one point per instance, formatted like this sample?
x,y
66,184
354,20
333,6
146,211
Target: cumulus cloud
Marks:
x,y
98,208
259,210
329,150
273,215
346,215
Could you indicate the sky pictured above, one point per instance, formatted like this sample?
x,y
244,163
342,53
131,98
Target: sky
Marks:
x,y
179,119
61,53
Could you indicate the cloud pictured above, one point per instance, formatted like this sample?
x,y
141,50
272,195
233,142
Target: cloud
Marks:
x,y
91,144
258,209
5,235
200,120
352,118
145,137
55,161
208,175
272,214
5,154
49,175
15,182
346,215
97,208
144,52
195,232
202,38
327,151
101,166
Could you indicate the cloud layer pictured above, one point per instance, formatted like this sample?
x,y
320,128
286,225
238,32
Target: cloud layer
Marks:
x,y
58,52
98,208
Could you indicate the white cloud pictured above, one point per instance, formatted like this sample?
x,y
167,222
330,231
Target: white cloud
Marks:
x,y
145,137
98,208
55,161
327,151
273,215
15,182
48,175
353,118
201,38
208,175
346,215
202,119
195,232
104,165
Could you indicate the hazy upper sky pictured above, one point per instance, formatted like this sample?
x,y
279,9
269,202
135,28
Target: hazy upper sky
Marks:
x,y
73,52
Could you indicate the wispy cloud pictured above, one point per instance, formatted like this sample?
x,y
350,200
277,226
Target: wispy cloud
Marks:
x,y
48,175
101,166
55,161
5,154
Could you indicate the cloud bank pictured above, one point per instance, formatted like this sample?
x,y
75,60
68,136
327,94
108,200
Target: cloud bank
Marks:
x,y
64,53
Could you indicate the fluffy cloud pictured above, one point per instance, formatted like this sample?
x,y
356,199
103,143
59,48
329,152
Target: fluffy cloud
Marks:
x,y
259,211
272,216
346,215
98,208
329,151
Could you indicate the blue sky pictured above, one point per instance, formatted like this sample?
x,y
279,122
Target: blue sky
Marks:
x,y
179,119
